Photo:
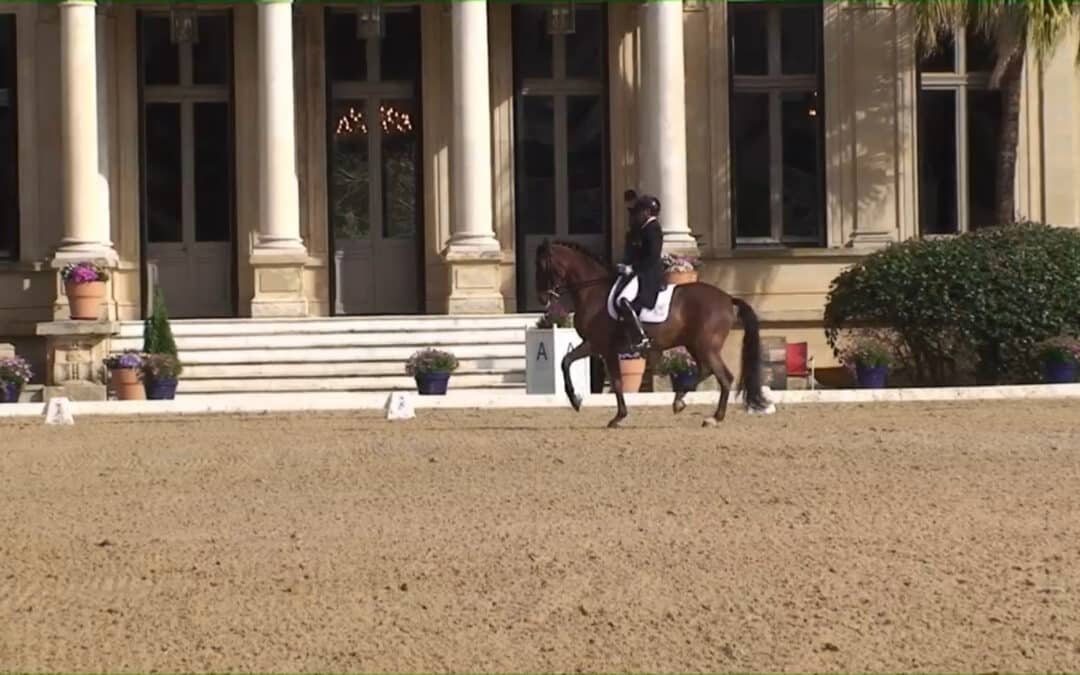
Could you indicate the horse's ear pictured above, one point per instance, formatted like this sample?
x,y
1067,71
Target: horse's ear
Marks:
x,y
543,248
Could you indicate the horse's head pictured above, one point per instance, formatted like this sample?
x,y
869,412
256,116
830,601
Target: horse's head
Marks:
x,y
550,277
563,267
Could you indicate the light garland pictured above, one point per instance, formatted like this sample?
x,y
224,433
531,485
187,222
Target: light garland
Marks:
x,y
392,121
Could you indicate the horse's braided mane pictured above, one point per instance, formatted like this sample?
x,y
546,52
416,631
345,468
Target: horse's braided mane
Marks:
x,y
574,246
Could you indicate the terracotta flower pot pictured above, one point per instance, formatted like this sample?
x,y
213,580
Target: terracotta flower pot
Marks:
x,y
680,278
127,384
85,299
632,370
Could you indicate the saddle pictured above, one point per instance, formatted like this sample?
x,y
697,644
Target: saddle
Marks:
x,y
628,288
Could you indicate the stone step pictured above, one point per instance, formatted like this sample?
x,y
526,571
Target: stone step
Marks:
x,y
392,354
417,340
370,383
339,354
340,370
389,325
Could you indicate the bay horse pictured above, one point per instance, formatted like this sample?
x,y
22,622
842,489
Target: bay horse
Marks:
x,y
701,317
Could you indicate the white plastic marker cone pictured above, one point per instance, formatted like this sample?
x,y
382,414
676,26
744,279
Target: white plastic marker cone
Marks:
x,y
58,411
399,407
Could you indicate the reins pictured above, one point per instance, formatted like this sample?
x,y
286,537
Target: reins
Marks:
x,y
557,292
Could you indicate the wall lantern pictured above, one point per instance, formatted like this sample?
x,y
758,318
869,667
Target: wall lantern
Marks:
x,y
560,19
183,25
369,21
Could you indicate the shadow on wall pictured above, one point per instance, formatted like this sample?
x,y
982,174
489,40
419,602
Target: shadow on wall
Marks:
x,y
868,130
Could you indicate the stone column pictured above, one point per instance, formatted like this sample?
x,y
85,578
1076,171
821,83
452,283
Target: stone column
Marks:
x,y
278,256
473,255
86,232
662,121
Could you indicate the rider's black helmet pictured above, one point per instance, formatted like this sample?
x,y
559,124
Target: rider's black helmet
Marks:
x,y
648,204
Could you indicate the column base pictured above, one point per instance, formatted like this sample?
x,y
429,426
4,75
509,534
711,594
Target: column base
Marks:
x,y
681,243
279,283
75,352
474,281
102,254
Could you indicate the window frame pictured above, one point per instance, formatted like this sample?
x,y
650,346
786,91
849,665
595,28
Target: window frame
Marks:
x,y
375,91
187,95
9,98
560,87
961,83
776,84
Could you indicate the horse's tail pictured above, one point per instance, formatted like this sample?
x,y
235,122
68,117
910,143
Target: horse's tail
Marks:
x,y
750,372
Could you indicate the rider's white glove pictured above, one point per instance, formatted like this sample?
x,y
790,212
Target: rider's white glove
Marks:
x,y
624,270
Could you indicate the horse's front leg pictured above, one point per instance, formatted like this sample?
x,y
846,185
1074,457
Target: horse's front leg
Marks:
x,y
575,354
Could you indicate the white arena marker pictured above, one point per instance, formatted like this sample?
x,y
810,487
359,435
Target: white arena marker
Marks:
x,y
399,407
59,412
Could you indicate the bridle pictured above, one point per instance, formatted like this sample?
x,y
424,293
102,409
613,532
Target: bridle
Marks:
x,y
557,291
558,286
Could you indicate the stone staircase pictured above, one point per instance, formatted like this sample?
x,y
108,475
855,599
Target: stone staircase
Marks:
x,y
231,356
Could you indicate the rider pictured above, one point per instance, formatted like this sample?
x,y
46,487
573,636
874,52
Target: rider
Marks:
x,y
644,242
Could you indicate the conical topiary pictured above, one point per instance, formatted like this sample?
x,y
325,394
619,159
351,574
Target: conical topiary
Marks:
x,y
157,334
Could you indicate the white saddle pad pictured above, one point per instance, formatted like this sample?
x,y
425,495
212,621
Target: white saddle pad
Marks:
x,y
658,314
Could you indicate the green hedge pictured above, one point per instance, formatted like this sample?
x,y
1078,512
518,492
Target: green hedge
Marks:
x,y
974,305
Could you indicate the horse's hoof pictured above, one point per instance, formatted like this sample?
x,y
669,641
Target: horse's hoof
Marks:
x,y
678,406
709,422
575,401
614,424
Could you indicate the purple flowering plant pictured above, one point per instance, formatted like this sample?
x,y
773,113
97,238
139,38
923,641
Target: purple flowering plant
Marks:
x,y
677,361
431,361
157,367
129,359
556,316
679,263
15,370
1061,349
83,273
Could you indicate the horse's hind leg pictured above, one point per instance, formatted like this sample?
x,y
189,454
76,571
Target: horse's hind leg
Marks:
x,y
725,378
612,363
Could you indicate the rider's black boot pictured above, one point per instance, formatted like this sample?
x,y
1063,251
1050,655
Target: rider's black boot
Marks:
x,y
634,331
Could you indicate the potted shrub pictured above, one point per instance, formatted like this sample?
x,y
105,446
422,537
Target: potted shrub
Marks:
x,y
84,285
1059,358
680,269
15,372
546,343
125,374
161,364
870,358
160,374
431,368
632,368
681,368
